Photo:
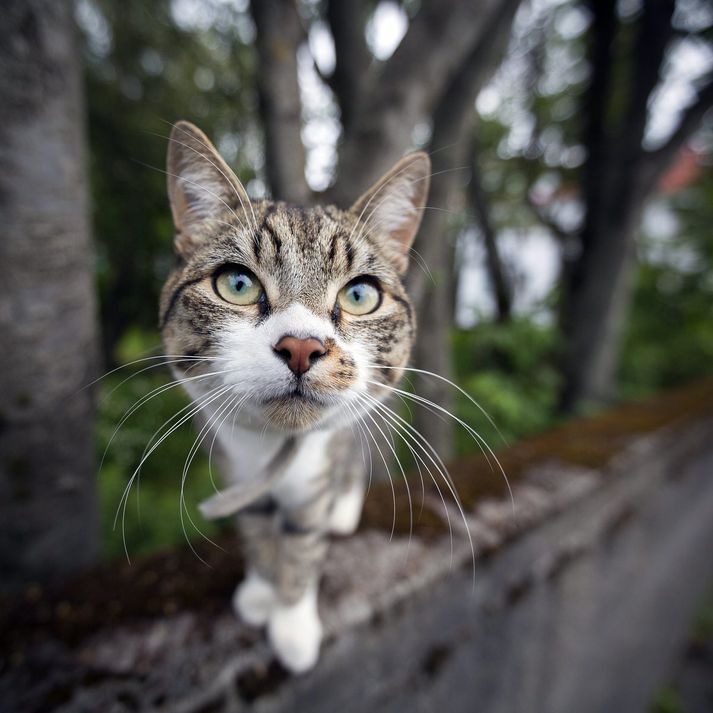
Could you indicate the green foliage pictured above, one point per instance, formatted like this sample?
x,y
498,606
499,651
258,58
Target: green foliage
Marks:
x,y
510,370
667,700
669,337
153,512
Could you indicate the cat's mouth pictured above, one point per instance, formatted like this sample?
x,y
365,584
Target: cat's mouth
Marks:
x,y
296,409
296,395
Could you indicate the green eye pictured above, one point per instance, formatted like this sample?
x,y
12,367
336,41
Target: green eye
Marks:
x,y
359,297
238,286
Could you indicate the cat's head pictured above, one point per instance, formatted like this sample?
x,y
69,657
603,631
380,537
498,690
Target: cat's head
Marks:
x,y
302,311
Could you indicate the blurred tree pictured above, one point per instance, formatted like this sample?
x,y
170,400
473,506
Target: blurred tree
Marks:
x,y
279,33
582,87
480,205
669,338
48,510
618,178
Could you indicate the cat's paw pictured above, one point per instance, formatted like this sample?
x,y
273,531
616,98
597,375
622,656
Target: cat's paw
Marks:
x,y
295,633
346,512
254,600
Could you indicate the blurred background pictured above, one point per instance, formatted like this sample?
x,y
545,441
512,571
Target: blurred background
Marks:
x,y
565,261
566,257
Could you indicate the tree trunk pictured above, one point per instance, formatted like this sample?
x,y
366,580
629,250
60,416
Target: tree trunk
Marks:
x,y
499,283
598,304
346,22
48,509
279,34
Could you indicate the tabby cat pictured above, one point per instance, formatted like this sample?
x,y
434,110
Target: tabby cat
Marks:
x,y
290,324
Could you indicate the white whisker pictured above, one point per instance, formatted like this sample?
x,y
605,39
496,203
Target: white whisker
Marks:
x,y
473,433
388,473
419,440
408,489
122,502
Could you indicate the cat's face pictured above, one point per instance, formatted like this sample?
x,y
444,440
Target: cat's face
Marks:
x,y
301,312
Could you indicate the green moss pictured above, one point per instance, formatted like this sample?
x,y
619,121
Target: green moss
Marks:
x,y
667,700
587,442
702,630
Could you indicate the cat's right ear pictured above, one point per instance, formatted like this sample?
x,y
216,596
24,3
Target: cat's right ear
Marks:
x,y
201,185
392,208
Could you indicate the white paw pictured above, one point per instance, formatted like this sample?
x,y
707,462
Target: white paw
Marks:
x,y
344,518
296,633
254,600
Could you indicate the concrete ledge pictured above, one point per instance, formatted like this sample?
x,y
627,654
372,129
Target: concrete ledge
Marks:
x,y
582,597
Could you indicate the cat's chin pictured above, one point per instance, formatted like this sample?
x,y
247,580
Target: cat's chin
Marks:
x,y
294,413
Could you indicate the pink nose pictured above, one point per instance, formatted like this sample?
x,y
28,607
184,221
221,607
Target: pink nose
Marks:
x,y
299,354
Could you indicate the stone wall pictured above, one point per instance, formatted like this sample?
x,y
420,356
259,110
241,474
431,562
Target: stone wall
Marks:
x,y
584,590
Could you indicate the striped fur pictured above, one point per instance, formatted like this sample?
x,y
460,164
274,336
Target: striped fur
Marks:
x,y
303,257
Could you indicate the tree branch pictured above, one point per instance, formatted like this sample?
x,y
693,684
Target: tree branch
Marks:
x,y
547,221
279,34
432,289
653,37
596,99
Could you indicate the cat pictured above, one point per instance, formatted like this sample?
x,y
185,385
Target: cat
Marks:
x,y
291,323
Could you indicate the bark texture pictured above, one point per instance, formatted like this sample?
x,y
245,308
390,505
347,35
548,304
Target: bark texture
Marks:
x,y
279,34
48,516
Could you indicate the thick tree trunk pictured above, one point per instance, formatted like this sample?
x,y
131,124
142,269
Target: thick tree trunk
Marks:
x,y
279,34
48,510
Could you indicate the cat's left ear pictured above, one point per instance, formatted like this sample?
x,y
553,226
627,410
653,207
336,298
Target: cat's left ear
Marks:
x,y
201,186
393,207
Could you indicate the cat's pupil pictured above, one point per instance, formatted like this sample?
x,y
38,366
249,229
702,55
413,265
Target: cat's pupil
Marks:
x,y
240,283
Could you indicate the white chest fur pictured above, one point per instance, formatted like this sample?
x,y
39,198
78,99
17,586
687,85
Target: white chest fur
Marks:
x,y
248,453
305,472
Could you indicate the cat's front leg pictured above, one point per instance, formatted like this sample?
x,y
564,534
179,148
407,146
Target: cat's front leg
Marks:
x,y
294,627
256,596
346,510
295,631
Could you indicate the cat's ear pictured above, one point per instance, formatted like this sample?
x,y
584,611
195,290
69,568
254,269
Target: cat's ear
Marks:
x,y
201,185
392,208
